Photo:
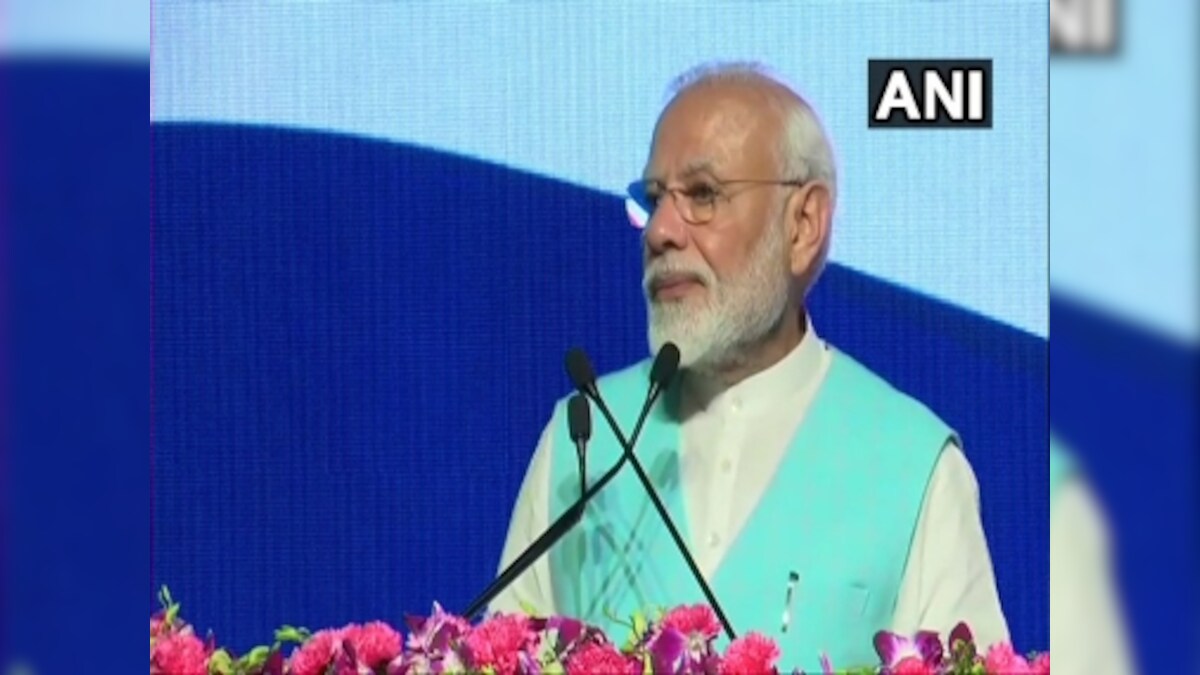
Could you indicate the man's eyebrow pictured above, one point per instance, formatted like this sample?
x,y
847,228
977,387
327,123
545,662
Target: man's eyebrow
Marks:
x,y
697,166
690,169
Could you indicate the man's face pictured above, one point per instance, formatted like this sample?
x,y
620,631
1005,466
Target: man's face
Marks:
x,y
712,288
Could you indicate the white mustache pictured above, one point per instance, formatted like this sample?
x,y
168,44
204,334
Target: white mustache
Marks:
x,y
659,269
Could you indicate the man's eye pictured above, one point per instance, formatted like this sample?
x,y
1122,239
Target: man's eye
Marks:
x,y
652,197
701,193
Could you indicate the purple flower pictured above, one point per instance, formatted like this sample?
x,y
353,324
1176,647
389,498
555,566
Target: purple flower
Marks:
x,y
572,634
430,644
528,664
677,653
961,633
433,635
893,648
569,630
420,664
668,652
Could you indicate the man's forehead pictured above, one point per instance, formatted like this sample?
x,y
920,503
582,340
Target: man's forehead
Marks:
x,y
708,131
716,155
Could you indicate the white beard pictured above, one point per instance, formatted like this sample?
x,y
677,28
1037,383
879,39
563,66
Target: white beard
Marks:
x,y
734,313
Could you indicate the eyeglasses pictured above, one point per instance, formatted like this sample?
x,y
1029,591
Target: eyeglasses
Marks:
x,y
696,201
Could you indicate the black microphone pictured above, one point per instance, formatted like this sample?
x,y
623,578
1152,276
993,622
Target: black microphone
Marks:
x,y
666,363
579,423
559,528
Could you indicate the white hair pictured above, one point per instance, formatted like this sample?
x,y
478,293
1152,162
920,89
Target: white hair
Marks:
x,y
806,153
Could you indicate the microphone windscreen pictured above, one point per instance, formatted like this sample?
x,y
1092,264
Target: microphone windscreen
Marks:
x,y
579,418
579,369
665,366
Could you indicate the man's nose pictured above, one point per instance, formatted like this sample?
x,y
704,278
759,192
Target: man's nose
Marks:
x,y
666,228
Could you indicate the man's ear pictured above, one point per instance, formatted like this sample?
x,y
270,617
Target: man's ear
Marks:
x,y
809,214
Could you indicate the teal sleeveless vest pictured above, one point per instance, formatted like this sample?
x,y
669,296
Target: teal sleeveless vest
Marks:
x,y
840,512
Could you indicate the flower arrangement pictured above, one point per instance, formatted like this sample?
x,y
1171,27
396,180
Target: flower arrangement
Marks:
x,y
680,641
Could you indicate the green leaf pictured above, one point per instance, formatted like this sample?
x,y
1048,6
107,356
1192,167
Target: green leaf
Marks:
x,y
255,658
292,634
528,609
220,663
168,604
553,668
640,625
647,665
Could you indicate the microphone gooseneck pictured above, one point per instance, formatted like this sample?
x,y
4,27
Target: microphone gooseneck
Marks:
x,y
577,365
666,363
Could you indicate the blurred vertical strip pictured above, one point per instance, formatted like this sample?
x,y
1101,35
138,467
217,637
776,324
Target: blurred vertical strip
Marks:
x,y
5,356
76,211
1123,356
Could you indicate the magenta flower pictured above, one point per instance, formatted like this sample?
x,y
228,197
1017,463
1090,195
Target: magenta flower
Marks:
x,y
602,659
435,633
275,664
697,622
498,643
180,653
751,653
668,652
961,633
431,643
1002,660
682,643
893,649
373,644
570,635
317,653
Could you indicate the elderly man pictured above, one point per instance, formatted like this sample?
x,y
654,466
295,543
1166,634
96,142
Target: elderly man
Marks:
x,y
785,463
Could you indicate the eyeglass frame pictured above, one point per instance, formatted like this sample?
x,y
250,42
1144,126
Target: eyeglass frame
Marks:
x,y
638,193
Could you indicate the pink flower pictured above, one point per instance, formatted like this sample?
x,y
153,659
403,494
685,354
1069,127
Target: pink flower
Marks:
x,y
317,652
1002,660
1040,665
375,643
913,666
179,654
601,659
751,654
693,620
499,641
